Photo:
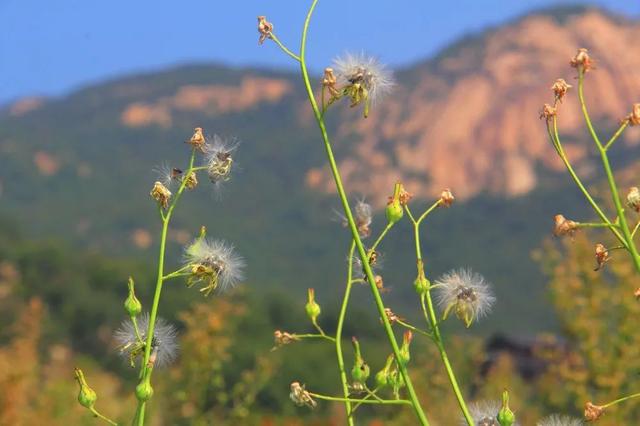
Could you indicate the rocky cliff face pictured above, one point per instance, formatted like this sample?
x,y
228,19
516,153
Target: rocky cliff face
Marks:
x,y
468,119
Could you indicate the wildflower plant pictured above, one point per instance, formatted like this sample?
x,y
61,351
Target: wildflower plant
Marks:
x,y
146,340
625,208
362,81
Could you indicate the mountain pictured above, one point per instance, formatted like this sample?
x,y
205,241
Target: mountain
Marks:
x,y
80,167
475,105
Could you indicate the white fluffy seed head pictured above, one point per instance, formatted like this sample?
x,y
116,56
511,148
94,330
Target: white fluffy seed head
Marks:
x,y
165,174
219,255
375,77
560,420
463,288
218,157
483,413
164,342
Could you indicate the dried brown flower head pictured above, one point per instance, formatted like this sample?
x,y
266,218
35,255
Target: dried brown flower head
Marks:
x,y
633,198
634,117
447,198
602,256
191,180
264,28
592,412
560,88
282,338
197,140
564,226
300,396
582,60
391,316
161,194
330,81
548,112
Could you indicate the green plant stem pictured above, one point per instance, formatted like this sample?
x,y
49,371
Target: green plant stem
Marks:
x,y
134,321
555,139
619,400
362,401
315,336
381,237
413,328
615,136
283,47
166,218
613,187
338,341
431,318
100,416
352,225
594,225
428,211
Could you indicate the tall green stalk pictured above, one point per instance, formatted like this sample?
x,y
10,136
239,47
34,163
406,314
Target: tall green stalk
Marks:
x,y
613,187
339,327
145,370
352,225
432,319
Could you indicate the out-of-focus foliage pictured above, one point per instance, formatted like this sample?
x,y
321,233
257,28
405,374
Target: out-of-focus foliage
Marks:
x,y
599,316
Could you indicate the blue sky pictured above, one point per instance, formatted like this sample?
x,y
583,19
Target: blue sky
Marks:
x,y
49,47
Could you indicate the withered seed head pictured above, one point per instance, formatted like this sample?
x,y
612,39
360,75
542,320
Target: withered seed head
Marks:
x,y
197,140
330,81
582,60
564,226
560,88
548,112
446,198
191,180
634,117
264,28
633,198
602,256
283,338
592,412
161,194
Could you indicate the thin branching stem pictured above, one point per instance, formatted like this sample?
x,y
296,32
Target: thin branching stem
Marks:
x,y
284,48
352,225
555,139
619,400
341,317
362,401
431,318
144,368
613,187
102,417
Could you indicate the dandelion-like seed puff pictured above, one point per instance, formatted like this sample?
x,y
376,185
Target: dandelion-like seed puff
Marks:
x,y
558,420
466,293
219,160
483,413
164,342
363,79
213,263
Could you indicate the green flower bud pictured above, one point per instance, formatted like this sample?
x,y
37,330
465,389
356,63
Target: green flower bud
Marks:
x,y
360,371
86,397
382,376
312,308
394,210
506,417
405,355
131,304
421,285
144,391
